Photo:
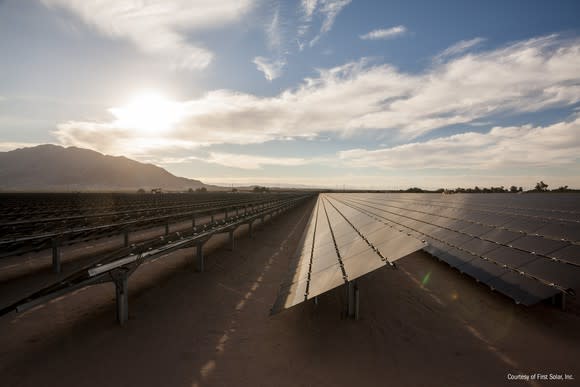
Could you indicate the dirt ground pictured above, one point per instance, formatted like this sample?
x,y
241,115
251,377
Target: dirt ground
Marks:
x,y
421,325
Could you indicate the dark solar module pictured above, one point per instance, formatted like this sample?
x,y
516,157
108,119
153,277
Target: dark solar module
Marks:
x,y
451,255
521,289
569,254
482,270
501,236
476,229
478,246
537,244
527,225
567,276
511,257
566,231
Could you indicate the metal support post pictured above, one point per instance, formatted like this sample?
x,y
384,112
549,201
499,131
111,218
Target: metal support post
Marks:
x,y
226,215
120,278
352,300
200,259
126,238
232,241
250,229
237,211
563,301
56,256
212,218
193,222
167,228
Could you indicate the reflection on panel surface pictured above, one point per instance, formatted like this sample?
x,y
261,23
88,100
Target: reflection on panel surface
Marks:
x,y
524,246
340,244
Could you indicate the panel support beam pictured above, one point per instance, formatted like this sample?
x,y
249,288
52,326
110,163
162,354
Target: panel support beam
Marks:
x,y
126,237
56,254
121,280
200,259
232,240
352,300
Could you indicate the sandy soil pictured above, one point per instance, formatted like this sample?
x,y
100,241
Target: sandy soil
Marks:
x,y
214,329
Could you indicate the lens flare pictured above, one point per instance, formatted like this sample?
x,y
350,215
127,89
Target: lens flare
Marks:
x,y
425,279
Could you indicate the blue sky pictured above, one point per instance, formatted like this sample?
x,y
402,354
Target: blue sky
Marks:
x,y
369,94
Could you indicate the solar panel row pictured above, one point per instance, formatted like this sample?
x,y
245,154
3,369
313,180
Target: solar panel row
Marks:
x,y
340,244
526,259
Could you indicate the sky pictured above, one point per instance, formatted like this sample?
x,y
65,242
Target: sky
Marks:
x,y
325,93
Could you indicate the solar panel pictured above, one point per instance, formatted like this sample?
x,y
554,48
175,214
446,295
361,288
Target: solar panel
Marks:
x,y
537,244
506,241
565,276
523,246
363,243
560,230
501,236
569,253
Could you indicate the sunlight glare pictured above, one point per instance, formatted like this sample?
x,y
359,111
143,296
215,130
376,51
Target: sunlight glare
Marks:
x,y
149,113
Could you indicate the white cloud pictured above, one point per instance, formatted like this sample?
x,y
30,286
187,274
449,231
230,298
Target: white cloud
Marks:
x,y
328,10
386,33
159,26
501,147
243,161
308,7
272,69
522,77
458,48
273,32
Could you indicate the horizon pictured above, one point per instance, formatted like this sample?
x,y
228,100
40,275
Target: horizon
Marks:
x,y
320,94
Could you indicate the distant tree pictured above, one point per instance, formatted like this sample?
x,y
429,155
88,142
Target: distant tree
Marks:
x,y
541,187
234,190
190,190
201,189
259,189
141,191
440,190
563,188
513,189
520,189
477,189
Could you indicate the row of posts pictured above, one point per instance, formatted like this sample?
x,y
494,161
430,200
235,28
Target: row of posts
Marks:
x,y
56,242
120,276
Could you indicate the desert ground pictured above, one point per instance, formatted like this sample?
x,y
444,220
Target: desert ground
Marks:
x,y
423,324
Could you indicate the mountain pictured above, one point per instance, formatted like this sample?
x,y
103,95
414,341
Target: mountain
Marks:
x,y
55,168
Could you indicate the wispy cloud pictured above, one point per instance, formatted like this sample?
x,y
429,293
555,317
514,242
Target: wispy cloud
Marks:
x,y
384,33
458,48
159,26
328,10
272,68
501,147
523,77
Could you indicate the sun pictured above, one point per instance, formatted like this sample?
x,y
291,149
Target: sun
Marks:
x,y
149,113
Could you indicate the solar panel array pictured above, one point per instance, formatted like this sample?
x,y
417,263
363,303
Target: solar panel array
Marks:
x,y
339,245
524,246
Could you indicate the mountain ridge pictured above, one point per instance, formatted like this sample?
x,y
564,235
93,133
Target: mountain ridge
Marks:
x,y
55,168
